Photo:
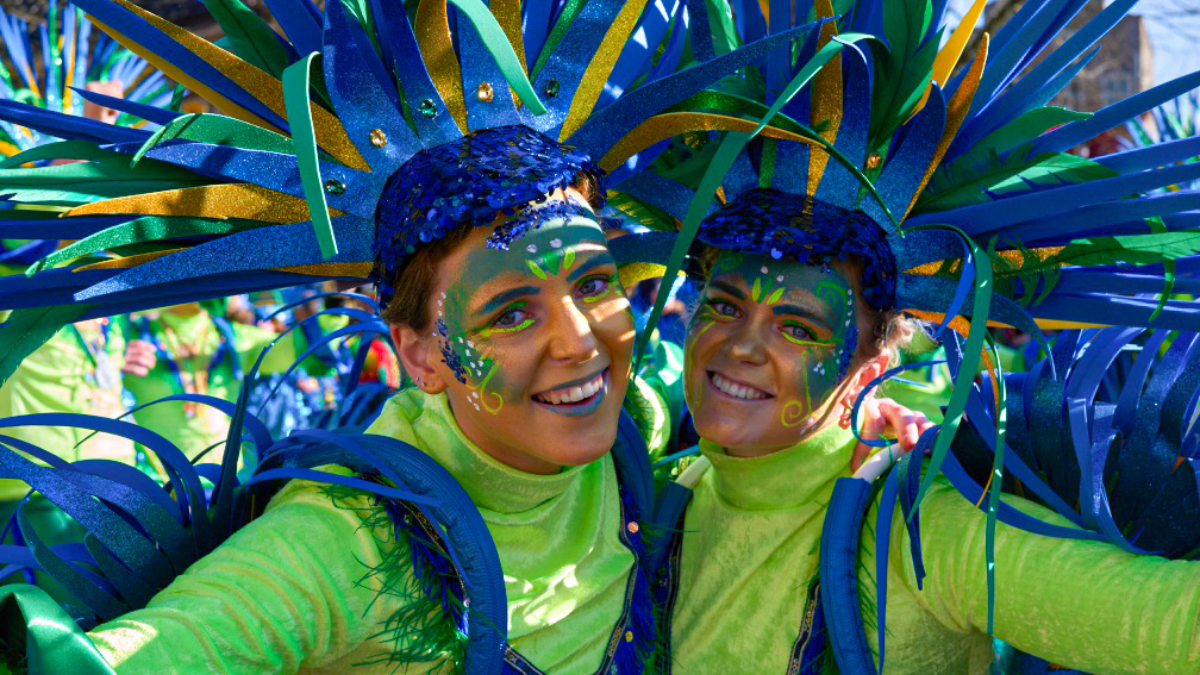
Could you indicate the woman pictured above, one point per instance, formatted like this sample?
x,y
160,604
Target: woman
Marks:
x,y
816,249
777,352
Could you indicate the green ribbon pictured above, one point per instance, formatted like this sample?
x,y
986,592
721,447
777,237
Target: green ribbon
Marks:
x,y
299,115
53,642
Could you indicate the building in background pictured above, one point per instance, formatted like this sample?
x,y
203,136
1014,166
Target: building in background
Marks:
x,y
1123,67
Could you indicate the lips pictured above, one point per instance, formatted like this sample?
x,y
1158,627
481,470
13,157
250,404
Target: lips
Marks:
x,y
575,399
573,393
735,389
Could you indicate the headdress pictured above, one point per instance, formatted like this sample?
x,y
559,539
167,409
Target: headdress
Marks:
x,y
965,177
286,185
69,60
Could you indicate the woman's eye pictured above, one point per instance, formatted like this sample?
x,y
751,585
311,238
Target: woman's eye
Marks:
x,y
723,308
510,319
798,332
593,287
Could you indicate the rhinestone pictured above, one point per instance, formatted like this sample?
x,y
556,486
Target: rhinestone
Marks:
x,y
484,92
334,186
873,160
428,109
629,636
632,527
552,88
378,138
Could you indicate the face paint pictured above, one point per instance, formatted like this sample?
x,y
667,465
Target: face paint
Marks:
x,y
766,350
535,335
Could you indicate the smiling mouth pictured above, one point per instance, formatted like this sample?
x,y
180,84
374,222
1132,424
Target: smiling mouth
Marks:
x,y
736,390
576,398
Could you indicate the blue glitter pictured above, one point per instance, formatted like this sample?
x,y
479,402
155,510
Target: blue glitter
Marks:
x,y
533,218
449,356
466,182
767,222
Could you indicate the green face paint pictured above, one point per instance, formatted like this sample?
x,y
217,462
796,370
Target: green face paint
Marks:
x,y
520,329
766,350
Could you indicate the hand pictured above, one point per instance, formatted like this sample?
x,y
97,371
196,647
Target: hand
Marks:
x,y
140,358
882,415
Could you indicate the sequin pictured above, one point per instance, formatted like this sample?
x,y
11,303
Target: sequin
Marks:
x,y
335,187
466,182
769,222
428,108
552,88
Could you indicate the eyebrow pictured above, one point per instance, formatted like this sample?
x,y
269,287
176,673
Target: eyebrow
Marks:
x,y
504,297
598,260
797,310
728,288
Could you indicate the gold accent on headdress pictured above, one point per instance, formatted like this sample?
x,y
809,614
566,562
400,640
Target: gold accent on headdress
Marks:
x,y
432,28
956,112
596,73
827,98
667,125
240,200
267,89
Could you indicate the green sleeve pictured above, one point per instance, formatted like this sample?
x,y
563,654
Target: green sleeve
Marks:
x,y
291,590
1078,604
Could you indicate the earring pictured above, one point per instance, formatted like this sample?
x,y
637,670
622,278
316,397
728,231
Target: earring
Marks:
x,y
844,421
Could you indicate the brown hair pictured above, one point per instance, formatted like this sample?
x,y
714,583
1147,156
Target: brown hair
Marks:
x,y
413,279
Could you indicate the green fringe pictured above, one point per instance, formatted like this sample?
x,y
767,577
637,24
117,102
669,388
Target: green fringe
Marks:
x,y
418,631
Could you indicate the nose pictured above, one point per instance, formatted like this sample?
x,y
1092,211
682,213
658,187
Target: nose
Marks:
x,y
745,346
572,339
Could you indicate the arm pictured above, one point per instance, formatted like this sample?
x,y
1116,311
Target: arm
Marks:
x,y
1080,604
287,591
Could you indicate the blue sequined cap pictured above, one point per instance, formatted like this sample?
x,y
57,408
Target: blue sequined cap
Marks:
x,y
466,182
771,223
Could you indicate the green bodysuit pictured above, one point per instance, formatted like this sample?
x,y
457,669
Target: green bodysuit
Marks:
x,y
290,591
750,549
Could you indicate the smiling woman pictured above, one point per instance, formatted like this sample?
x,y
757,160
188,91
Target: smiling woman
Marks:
x,y
535,335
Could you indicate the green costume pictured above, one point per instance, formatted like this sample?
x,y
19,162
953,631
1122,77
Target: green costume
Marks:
x,y
749,553
194,428
293,590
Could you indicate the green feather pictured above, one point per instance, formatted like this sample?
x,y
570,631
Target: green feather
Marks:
x,y
143,230
1008,175
248,36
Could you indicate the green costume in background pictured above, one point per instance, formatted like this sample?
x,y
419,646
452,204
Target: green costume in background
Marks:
x,y
193,428
749,554
76,371
293,590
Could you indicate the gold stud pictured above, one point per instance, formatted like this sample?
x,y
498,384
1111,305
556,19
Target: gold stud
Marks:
x,y
874,160
484,92
629,636
378,138
632,527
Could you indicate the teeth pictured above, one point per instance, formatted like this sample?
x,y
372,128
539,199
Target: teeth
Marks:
x,y
736,390
573,394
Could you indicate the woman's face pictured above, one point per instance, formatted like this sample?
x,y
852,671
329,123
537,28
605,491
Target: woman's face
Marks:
x,y
534,342
766,351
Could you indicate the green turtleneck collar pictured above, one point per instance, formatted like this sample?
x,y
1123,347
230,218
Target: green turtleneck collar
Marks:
x,y
426,422
783,479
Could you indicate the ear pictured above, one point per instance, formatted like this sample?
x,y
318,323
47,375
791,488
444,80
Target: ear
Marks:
x,y
866,374
418,355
